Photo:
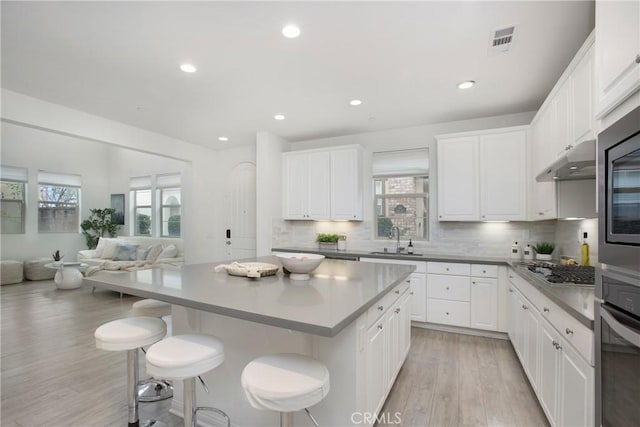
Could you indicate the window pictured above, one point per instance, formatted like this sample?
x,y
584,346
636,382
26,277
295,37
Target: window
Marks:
x,y
156,205
169,194
141,196
13,183
58,202
401,193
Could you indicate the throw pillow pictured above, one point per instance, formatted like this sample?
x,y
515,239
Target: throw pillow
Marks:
x,y
143,256
102,242
110,248
154,251
125,252
170,251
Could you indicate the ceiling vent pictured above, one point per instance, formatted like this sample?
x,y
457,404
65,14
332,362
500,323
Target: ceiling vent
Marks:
x,y
501,40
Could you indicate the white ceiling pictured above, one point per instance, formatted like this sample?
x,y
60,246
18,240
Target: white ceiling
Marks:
x,y
121,60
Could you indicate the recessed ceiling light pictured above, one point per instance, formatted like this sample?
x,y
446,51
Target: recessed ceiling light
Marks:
x,y
279,117
466,85
223,138
355,102
291,31
188,68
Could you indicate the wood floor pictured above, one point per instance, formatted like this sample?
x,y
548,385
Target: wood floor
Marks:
x,y
52,374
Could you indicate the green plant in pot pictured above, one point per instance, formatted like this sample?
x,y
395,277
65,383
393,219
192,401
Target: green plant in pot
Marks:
x,y
98,225
327,240
57,257
544,250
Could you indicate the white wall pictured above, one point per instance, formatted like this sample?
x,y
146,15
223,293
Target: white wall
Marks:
x,y
269,149
40,150
200,181
482,239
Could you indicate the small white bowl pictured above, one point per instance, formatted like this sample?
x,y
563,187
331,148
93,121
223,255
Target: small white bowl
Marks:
x,y
300,265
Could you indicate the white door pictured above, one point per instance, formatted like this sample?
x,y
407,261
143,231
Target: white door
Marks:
x,y
532,334
484,303
458,186
241,211
418,297
346,191
549,370
583,100
576,394
376,365
319,168
295,169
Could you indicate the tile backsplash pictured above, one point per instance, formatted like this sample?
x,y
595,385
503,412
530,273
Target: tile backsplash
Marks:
x,y
455,238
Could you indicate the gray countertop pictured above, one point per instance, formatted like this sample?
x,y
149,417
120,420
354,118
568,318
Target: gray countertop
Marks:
x,y
578,301
337,293
350,254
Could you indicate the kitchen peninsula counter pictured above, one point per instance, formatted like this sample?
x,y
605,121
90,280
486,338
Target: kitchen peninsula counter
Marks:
x,y
337,293
353,317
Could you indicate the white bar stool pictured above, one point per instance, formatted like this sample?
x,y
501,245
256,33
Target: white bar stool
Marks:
x,y
285,383
185,357
130,334
151,389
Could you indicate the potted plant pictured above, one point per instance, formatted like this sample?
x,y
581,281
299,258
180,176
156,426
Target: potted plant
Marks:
x,y
57,258
328,241
544,250
97,225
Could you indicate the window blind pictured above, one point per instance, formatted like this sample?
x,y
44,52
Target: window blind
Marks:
x,y
403,162
12,173
140,182
168,180
62,179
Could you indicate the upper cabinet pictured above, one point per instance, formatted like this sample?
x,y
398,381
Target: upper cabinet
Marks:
x,y
617,53
482,176
323,184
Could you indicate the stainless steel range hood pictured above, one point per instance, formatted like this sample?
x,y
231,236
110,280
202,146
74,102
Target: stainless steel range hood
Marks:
x,y
577,163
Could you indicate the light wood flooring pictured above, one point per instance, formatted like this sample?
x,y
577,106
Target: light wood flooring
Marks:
x,y
52,374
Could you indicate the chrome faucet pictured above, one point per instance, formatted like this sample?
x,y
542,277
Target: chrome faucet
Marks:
x,y
397,230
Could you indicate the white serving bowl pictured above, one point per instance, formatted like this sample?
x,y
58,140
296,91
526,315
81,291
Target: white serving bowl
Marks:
x,y
300,265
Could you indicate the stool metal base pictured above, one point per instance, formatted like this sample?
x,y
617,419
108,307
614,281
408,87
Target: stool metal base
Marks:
x,y
153,390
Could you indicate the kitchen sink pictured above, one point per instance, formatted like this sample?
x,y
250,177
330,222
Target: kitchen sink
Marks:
x,y
394,253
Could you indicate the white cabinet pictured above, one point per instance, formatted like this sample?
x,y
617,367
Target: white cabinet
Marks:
x,y
306,185
582,95
554,356
482,176
458,183
388,343
346,184
560,126
617,53
484,303
418,297
322,184
543,194
455,297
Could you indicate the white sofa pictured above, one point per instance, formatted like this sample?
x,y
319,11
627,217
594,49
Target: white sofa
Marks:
x,y
90,256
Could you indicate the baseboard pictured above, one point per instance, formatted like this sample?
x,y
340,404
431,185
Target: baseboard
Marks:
x,y
461,330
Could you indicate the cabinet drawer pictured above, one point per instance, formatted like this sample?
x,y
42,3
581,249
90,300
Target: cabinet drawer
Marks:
x,y
381,306
456,288
482,270
453,268
578,335
448,312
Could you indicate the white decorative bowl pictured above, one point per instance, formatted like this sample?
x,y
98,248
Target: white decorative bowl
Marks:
x,y
300,265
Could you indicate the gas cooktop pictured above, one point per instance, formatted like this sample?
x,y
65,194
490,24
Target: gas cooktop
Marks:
x,y
564,274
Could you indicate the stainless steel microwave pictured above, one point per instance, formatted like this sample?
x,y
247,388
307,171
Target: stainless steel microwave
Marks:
x,y
619,193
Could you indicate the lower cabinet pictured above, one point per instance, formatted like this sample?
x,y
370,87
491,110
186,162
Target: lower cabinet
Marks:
x,y
559,374
418,297
484,303
388,343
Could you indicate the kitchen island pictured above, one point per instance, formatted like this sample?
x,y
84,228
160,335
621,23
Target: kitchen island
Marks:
x,y
354,317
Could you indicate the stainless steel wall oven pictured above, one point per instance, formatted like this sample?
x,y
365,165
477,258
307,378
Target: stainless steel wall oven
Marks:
x,y
619,193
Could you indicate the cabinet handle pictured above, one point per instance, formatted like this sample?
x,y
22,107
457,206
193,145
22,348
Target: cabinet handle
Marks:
x,y
447,269
637,59
407,281
545,309
410,293
473,283
510,290
540,213
397,291
447,313
380,307
568,331
484,271
556,344
525,307
380,327
397,310
482,216
447,288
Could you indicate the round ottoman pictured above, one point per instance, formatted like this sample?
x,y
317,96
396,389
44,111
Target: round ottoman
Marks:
x,y
35,270
11,272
